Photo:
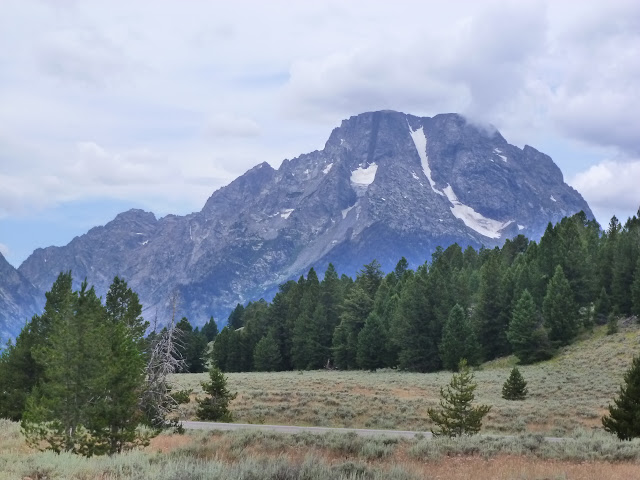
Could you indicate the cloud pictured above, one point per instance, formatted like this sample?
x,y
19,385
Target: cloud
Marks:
x,y
610,187
225,125
160,104
4,250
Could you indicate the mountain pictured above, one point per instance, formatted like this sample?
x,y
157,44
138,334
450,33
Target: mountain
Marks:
x,y
19,301
385,185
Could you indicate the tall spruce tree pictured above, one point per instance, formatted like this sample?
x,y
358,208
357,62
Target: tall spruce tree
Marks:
x,y
488,318
458,340
624,417
357,307
119,414
602,307
266,356
372,341
528,338
413,327
559,310
635,290
59,411
210,330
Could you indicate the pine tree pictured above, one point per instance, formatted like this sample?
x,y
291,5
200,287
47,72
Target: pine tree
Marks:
x,y
458,340
372,341
59,412
515,387
266,356
528,338
210,330
624,417
235,319
559,310
220,352
357,307
602,307
491,332
119,414
215,406
635,290
457,416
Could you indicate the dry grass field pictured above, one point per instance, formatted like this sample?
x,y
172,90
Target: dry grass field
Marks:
x,y
571,391
568,396
251,455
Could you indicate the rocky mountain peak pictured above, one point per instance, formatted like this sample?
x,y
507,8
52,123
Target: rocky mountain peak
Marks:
x,y
387,184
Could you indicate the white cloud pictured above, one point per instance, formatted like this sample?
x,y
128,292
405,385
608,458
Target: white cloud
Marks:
x,y
4,250
610,188
225,125
157,103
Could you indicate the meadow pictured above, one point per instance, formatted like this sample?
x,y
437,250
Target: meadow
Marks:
x,y
571,391
568,395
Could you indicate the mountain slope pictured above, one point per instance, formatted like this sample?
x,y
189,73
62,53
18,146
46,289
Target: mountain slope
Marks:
x,y
386,185
19,300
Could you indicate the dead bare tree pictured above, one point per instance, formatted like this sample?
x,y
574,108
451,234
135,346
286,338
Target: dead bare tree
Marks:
x,y
156,400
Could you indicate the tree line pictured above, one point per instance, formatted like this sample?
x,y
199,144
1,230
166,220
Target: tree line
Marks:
x,y
82,377
527,298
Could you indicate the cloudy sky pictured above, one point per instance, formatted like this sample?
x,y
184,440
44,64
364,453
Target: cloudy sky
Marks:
x,y
106,106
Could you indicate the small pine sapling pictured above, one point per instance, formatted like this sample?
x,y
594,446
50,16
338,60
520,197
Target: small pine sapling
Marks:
x,y
515,388
216,405
457,416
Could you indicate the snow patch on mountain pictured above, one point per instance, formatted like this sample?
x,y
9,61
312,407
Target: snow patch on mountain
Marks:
x,y
420,141
363,177
287,211
472,219
327,169
346,211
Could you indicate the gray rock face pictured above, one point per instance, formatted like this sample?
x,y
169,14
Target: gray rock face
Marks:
x,y
19,301
386,185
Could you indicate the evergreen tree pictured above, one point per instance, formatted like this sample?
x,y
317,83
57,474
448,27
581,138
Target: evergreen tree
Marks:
x,y
458,340
266,356
414,327
19,370
457,416
210,330
559,310
235,320
491,330
59,412
401,268
528,339
123,306
602,307
220,352
372,341
119,415
635,290
624,417
515,387
215,407
369,278
357,307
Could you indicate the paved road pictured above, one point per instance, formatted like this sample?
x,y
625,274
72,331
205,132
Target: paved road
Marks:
x,y
293,429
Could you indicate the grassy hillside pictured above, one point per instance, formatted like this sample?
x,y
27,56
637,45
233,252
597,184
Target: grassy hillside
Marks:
x,y
570,391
